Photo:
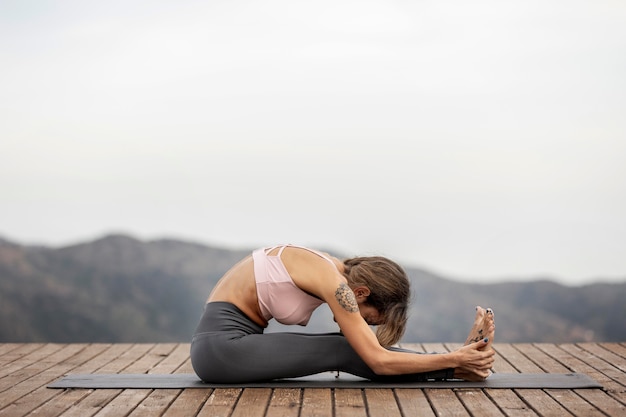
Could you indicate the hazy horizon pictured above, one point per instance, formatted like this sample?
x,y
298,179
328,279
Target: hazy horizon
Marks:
x,y
329,247
483,141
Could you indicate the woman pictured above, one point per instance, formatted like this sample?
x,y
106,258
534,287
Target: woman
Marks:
x,y
287,283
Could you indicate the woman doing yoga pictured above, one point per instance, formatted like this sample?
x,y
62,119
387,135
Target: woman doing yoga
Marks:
x,y
287,283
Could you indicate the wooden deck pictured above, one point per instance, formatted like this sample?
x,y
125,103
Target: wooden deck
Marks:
x,y
26,369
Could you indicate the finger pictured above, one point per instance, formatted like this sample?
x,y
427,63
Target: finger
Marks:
x,y
485,363
481,343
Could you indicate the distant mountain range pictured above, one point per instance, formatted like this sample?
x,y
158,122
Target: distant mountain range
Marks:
x,y
121,289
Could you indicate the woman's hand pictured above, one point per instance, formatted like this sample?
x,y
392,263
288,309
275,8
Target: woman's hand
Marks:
x,y
474,363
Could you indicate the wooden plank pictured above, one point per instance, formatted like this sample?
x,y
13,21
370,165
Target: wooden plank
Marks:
x,y
37,394
156,403
5,348
163,359
34,365
155,355
108,354
417,347
610,357
29,363
124,403
507,400
413,402
599,363
510,403
603,402
31,393
96,400
150,358
92,403
382,402
113,359
316,402
444,402
129,355
434,348
349,403
600,370
616,348
477,403
450,347
252,402
601,399
57,405
36,377
474,402
285,402
140,358
186,367
173,361
569,362
565,354
18,352
542,360
536,399
569,399
502,364
517,359
220,403
541,403
188,403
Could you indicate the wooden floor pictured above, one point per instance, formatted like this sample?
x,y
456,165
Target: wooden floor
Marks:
x,y
26,369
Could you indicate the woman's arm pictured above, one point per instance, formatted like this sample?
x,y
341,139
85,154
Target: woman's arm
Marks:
x,y
328,284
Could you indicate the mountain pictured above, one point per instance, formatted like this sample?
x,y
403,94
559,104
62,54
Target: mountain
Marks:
x,y
113,289
121,289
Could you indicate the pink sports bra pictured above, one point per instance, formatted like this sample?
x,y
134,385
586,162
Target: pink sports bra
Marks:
x,y
278,295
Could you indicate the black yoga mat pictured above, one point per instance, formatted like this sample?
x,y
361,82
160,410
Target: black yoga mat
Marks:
x,y
323,380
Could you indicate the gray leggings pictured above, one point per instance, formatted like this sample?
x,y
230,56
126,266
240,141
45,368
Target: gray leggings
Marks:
x,y
228,347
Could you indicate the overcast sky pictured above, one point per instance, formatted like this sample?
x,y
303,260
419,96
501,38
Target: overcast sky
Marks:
x,y
481,140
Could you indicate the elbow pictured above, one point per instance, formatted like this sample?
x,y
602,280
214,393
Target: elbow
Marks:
x,y
380,365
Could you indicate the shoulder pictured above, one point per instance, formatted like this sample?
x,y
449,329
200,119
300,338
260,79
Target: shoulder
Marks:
x,y
311,257
312,272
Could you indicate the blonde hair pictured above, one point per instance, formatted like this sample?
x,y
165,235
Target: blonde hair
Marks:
x,y
389,293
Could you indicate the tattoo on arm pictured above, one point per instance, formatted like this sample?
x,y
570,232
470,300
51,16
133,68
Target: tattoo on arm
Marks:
x,y
346,298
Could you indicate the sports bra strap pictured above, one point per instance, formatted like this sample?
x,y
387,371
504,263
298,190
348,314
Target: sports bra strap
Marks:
x,y
282,248
280,251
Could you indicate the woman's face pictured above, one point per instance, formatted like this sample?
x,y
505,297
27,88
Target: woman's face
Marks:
x,y
370,314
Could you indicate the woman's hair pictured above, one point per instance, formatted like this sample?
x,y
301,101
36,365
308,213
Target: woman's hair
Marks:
x,y
389,293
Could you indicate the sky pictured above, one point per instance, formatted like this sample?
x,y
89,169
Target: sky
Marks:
x,y
483,141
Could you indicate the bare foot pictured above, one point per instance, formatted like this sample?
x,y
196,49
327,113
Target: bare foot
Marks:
x,y
476,332
483,327
490,322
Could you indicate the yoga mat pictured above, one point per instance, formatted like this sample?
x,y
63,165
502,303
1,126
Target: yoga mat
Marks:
x,y
323,380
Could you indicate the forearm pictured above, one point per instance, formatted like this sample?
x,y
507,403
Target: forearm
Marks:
x,y
400,363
